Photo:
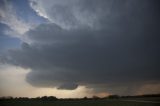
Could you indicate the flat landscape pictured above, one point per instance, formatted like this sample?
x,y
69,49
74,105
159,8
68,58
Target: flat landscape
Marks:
x,y
79,52
100,102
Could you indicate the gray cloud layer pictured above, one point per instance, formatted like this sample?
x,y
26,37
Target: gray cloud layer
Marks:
x,y
123,50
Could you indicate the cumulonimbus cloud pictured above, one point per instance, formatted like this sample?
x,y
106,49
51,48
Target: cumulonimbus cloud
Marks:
x,y
122,52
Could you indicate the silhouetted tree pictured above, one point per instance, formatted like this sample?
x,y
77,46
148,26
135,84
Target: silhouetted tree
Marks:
x,y
113,97
96,97
48,98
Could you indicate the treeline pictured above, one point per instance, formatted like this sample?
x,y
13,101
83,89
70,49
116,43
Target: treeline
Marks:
x,y
44,98
140,96
53,98
133,96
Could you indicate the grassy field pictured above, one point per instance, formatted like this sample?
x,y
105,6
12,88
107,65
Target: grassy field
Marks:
x,y
81,103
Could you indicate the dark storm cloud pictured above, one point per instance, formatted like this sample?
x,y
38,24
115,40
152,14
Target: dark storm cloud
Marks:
x,y
68,86
124,51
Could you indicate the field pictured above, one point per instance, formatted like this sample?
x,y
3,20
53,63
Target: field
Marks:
x,y
101,102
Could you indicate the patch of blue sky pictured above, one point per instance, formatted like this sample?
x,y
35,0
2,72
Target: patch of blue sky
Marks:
x,y
25,12
7,42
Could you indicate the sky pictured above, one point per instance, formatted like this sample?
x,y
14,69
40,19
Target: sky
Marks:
x,y
78,48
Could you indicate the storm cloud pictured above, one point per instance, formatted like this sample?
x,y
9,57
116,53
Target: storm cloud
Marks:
x,y
118,47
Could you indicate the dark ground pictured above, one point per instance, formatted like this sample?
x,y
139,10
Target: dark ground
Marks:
x,y
152,101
